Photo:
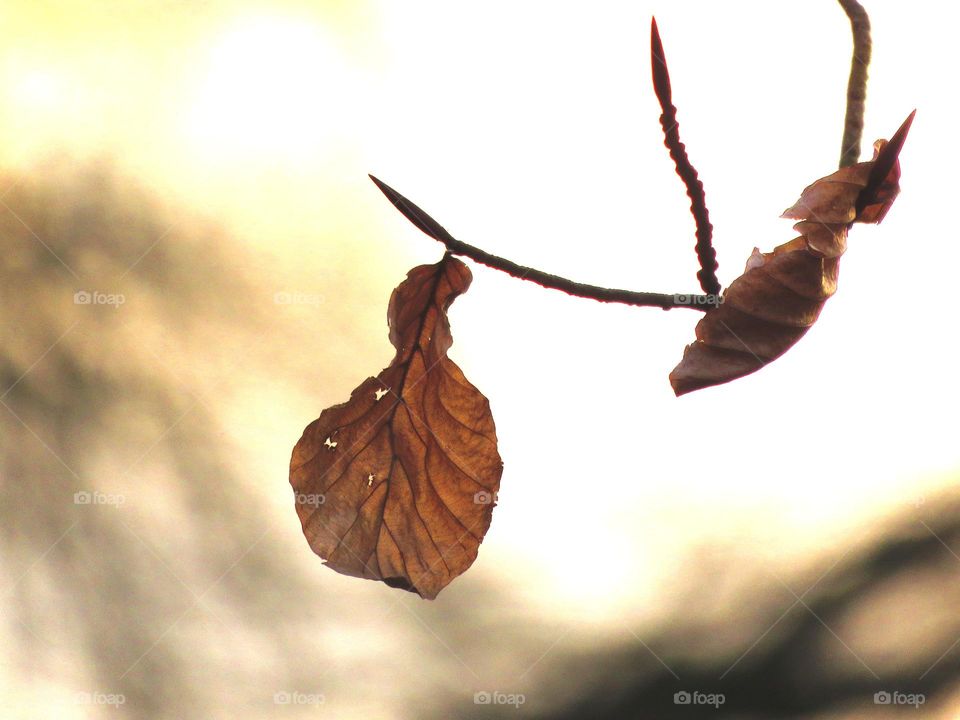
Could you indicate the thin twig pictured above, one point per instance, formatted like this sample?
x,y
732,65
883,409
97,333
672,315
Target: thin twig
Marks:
x,y
593,292
857,85
707,256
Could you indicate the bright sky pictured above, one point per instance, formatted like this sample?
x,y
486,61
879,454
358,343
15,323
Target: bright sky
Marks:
x,y
531,130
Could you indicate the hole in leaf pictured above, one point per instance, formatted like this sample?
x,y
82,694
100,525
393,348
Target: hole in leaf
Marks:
x,y
370,478
331,444
380,393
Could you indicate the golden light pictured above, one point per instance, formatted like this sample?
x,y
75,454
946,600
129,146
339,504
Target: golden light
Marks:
x,y
35,99
274,88
38,90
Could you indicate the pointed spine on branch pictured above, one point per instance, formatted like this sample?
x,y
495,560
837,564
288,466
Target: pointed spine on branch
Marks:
x,y
707,275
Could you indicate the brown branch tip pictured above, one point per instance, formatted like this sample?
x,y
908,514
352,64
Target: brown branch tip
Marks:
x,y
706,254
432,228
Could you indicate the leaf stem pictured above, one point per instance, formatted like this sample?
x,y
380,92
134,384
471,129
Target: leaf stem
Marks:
x,y
592,292
857,85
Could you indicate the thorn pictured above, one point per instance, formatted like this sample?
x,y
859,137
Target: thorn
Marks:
x,y
885,162
896,142
658,62
413,213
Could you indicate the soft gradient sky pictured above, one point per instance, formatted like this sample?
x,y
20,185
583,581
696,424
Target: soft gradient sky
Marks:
x,y
531,130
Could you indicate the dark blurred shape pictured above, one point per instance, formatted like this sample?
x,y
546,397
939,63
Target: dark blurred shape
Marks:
x,y
161,598
853,638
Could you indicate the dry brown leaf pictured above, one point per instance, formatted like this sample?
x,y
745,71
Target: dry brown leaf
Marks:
x,y
398,484
768,309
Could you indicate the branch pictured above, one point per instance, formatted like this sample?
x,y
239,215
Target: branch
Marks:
x,y
857,85
707,256
593,292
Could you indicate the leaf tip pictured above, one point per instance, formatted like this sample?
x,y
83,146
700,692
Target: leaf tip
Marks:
x,y
402,583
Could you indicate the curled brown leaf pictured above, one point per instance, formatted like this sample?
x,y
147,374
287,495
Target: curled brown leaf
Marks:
x,y
398,483
768,309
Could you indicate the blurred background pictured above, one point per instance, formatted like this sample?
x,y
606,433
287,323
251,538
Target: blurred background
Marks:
x,y
195,265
